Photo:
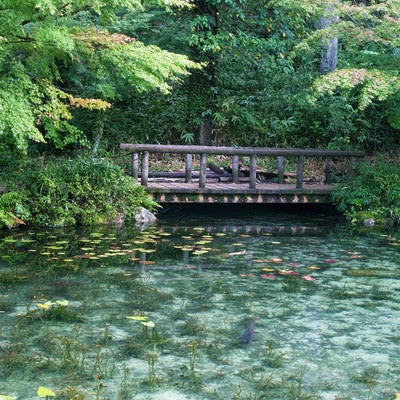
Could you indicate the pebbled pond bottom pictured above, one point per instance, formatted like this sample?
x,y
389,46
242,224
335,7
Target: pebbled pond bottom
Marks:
x,y
158,314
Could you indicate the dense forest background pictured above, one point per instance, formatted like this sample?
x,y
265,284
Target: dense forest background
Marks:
x,y
248,72
79,77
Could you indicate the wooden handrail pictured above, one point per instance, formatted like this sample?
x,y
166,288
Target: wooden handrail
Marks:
x,y
240,151
235,152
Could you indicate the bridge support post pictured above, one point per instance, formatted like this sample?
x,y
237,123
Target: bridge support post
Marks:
x,y
253,171
299,172
235,169
135,165
203,170
188,168
280,169
145,169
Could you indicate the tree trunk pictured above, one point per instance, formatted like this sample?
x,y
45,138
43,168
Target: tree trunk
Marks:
x,y
330,51
205,81
205,132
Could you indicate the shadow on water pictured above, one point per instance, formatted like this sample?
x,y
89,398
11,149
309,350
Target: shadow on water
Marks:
x,y
249,212
258,219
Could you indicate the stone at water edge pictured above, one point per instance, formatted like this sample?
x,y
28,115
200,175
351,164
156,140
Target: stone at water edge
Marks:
x,y
144,217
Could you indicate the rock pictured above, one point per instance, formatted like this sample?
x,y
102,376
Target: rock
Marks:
x,y
144,217
369,222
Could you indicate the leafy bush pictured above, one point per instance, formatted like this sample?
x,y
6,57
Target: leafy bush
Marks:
x,y
373,192
70,192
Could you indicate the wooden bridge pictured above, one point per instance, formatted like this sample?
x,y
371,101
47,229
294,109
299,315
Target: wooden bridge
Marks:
x,y
241,180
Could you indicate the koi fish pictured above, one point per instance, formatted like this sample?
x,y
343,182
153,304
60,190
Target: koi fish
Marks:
x,y
249,333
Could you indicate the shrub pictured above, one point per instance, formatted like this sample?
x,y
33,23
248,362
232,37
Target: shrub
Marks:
x,y
373,192
84,191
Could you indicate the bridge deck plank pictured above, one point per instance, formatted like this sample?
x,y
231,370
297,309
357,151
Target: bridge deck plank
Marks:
x,y
239,188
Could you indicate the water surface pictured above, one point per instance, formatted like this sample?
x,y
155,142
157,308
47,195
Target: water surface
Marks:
x,y
119,313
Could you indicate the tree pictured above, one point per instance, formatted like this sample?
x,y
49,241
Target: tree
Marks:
x,y
41,40
367,76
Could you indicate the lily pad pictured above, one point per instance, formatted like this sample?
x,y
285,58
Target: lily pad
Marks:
x,y
137,317
150,324
45,392
63,303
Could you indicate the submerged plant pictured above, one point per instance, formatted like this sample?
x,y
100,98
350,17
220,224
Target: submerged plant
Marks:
x,y
193,346
152,336
151,362
273,357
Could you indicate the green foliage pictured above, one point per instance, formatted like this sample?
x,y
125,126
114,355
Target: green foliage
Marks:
x,y
43,42
70,192
11,205
373,192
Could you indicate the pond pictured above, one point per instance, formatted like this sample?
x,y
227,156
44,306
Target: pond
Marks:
x,y
161,313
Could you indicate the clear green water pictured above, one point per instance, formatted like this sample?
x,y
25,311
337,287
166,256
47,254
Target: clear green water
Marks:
x,y
325,296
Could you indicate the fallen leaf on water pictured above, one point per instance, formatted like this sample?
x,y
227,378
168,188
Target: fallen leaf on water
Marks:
x,y
294,264
150,324
308,278
137,317
4,397
237,253
286,272
44,392
330,261
274,260
268,276
44,306
63,303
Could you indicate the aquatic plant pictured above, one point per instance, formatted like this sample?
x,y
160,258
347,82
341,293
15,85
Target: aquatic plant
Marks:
x,y
123,392
193,346
273,357
45,392
151,362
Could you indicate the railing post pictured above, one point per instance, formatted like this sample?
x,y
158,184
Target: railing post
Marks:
x,y
253,171
235,169
299,172
203,170
328,170
281,167
135,165
188,168
145,168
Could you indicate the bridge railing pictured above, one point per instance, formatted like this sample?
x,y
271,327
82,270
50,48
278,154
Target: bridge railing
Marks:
x,y
235,152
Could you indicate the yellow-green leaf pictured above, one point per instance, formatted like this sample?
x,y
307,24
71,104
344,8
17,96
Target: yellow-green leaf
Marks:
x,y
45,392
150,324
62,302
137,317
